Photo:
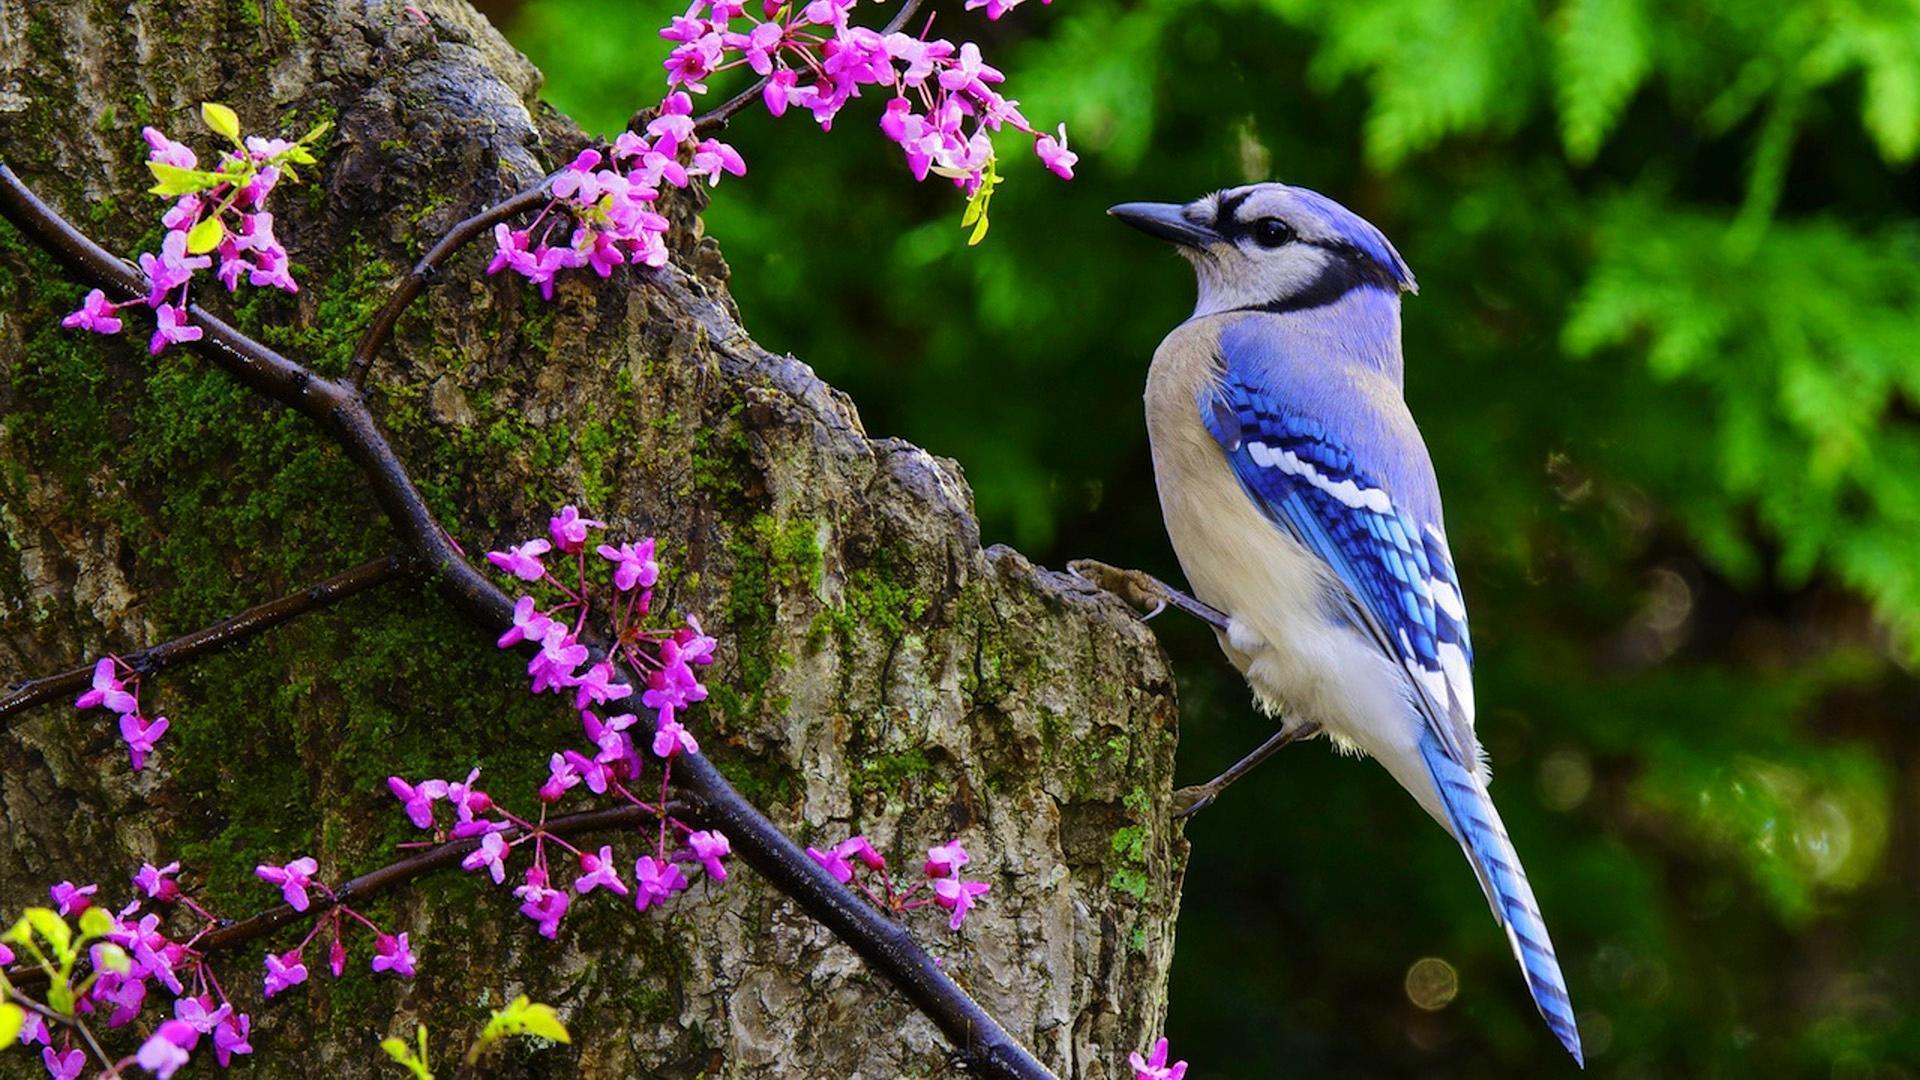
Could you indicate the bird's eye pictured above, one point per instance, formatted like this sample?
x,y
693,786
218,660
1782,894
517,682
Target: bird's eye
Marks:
x,y
1272,232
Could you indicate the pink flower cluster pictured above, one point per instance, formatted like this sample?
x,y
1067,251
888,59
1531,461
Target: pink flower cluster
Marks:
x,y
942,110
157,963
847,859
391,952
122,695
612,762
219,213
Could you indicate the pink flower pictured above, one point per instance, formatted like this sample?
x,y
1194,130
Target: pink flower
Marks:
x,y
946,859
597,685
418,800
633,564
492,854
1155,1067
336,956
510,250
466,799
778,93
140,735
957,896
198,1013
559,657
655,882
569,529
576,181
161,1055
95,314
108,691
543,905
523,561
561,775
393,954
172,328
713,157
230,1038
836,862
1055,155
671,738
529,624
157,882
598,871
72,900
123,993
292,878
33,1030
64,1066
284,972
709,848
166,151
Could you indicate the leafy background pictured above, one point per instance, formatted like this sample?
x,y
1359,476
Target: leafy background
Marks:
x,y
1667,355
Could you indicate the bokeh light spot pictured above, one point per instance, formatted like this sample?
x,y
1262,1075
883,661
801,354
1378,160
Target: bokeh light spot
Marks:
x,y
1432,983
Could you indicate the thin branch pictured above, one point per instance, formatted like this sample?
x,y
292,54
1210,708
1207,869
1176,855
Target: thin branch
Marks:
x,y
339,409
427,269
221,635
717,117
232,934
74,1022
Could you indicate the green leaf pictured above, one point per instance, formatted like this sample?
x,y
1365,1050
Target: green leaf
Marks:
x,y
113,958
1603,58
175,180
222,120
52,929
205,236
60,998
95,922
400,1052
318,130
12,1019
522,1017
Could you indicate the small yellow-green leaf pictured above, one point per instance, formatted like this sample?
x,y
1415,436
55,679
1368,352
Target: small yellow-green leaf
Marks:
x,y
222,120
397,1049
205,236
52,929
60,998
541,1020
979,231
111,957
319,129
12,1019
175,180
95,922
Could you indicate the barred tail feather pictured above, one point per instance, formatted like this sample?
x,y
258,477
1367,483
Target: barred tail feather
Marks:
x,y
1477,826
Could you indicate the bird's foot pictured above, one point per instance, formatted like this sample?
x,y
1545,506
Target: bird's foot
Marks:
x,y
1144,592
1189,801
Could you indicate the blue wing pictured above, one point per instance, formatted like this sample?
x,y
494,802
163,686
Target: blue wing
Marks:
x,y
1398,576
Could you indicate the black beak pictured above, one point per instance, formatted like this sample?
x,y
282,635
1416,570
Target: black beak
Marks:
x,y
1166,221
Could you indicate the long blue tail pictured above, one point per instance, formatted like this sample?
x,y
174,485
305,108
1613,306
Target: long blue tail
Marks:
x,y
1477,826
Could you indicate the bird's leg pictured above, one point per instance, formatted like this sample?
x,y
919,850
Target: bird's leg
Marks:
x,y
1145,592
1191,800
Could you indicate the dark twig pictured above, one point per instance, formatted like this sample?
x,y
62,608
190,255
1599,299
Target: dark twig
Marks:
x,y
718,116
427,269
220,635
340,410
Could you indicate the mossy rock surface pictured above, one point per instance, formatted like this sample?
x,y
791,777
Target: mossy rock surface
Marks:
x,y
880,672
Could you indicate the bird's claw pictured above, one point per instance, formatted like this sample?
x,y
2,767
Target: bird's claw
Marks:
x,y
1139,589
1189,801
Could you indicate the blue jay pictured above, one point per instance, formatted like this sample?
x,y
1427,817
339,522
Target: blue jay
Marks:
x,y
1302,504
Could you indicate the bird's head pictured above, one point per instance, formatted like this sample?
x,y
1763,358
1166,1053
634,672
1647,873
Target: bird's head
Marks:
x,y
1271,247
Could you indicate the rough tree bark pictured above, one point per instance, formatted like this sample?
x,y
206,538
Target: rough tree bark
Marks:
x,y
881,671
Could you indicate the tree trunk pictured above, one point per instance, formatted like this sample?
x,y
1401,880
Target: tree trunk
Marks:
x,y
880,672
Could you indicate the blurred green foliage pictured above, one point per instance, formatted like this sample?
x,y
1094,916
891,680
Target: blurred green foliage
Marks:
x,y
1667,355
